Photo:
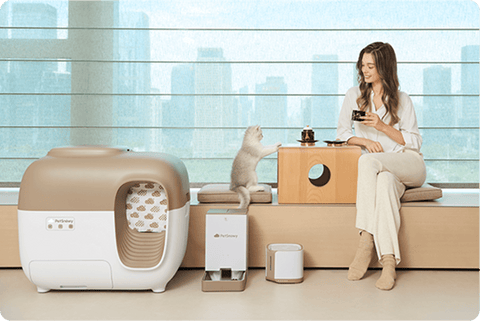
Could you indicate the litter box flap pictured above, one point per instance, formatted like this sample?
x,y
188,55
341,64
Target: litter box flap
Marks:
x,y
87,178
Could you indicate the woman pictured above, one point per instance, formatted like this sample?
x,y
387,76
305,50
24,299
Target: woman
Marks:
x,y
390,161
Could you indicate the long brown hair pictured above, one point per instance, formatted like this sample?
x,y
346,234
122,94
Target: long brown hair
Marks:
x,y
386,64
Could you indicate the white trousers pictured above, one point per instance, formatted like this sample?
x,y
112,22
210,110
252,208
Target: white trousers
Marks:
x,y
382,178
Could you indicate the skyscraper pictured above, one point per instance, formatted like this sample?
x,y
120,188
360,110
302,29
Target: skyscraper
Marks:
x,y
183,87
133,78
325,109
35,77
179,112
271,111
438,110
306,108
33,14
355,74
245,108
4,81
213,101
26,76
4,17
470,85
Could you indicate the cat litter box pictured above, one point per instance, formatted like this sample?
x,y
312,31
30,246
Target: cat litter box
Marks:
x,y
103,218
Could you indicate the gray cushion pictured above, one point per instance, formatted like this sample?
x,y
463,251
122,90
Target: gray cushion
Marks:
x,y
220,193
425,192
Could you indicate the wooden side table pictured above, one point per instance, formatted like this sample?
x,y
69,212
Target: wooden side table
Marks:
x,y
337,184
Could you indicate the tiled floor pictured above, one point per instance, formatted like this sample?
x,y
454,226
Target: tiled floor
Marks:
x,y
325,294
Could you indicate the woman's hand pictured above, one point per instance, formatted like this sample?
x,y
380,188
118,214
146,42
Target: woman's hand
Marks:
x,y
373,120
370,145
373,147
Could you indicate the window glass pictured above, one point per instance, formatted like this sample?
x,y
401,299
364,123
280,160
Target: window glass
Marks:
x,y
187,77
34,19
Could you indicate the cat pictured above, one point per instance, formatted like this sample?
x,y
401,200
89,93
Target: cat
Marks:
x,y
243,178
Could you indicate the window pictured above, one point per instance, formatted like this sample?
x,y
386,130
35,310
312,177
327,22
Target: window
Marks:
x,y
187,77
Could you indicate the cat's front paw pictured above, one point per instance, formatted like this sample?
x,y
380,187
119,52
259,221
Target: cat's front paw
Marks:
x,y
277,145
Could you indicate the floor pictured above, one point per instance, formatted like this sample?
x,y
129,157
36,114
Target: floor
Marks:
x,y
325,294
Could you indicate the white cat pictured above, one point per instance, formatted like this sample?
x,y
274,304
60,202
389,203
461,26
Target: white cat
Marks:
x,y
243,179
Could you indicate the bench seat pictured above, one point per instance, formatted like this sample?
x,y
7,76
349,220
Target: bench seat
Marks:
x,y
435,234
442,233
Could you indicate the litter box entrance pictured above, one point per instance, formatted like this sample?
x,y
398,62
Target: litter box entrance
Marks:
x,y
140,223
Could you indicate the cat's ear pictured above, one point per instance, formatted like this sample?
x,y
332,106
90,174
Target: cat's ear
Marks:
x,y
257,127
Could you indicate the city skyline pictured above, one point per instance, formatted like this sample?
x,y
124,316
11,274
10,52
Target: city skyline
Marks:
x,y
183,45
136,78
194,98
437,79
21,77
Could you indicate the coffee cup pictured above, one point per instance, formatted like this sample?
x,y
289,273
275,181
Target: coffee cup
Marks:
x,y
357,114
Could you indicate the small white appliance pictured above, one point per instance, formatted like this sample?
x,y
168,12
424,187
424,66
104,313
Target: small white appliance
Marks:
x,y
284,263
226,248
103,218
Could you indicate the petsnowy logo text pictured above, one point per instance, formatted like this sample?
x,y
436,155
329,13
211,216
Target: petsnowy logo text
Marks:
x,y
63,221
226,236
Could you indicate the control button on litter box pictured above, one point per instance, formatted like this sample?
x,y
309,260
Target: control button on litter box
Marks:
x,y
60,224
50,224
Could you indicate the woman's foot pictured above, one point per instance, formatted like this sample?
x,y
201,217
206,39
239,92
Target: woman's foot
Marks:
x,y
387,279
362,259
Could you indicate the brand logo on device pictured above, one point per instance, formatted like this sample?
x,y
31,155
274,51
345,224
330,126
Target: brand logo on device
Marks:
x,y
227,236
63,221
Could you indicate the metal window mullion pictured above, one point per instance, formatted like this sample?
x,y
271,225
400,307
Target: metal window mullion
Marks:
x,y
243,29
29,58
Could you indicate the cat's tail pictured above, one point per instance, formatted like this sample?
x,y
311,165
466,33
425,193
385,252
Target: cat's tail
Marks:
x,y
243,195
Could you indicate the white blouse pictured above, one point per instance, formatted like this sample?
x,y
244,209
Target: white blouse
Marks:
x,y
407,124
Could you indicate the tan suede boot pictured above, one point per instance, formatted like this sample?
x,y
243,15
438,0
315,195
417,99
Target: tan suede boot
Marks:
x,y
362,259
387,279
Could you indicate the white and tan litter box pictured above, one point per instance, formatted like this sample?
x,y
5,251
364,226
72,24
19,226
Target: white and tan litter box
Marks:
x,y
103,218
